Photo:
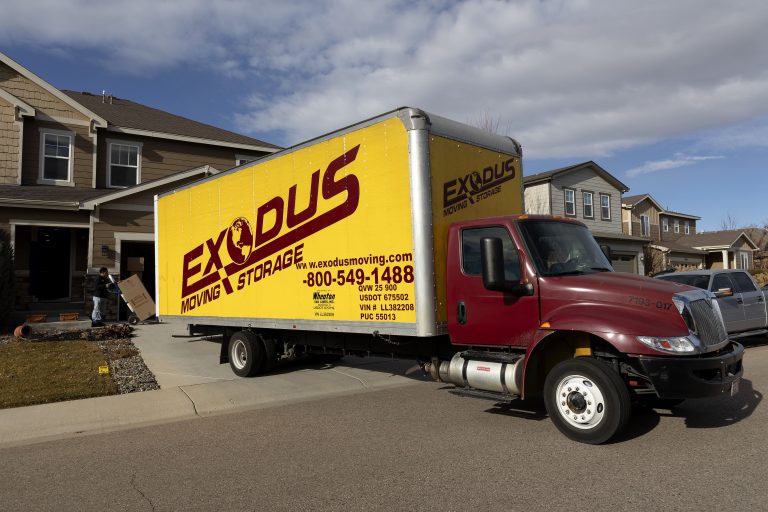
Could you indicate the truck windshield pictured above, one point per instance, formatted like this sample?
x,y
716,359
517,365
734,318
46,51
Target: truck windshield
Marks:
x,y
562,248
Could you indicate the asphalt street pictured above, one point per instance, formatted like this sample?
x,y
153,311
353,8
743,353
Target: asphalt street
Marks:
x,y
410,447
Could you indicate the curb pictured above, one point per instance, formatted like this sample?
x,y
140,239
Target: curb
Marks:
x,y
93,415
46,422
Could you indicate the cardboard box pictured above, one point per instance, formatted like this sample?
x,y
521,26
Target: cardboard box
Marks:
x,y
137,297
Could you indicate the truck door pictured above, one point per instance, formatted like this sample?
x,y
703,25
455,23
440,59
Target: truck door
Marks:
x,y
481,317
730,305
752,301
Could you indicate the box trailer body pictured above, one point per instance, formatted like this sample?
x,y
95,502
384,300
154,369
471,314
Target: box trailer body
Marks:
x,y
346,233
405,235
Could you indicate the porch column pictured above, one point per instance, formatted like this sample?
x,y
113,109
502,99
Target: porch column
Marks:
x,y
725,258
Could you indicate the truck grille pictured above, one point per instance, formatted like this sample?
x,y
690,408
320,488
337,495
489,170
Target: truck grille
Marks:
x,y
707,323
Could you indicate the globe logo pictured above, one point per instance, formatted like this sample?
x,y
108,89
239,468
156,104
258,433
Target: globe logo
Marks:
x,y
475,182
240,240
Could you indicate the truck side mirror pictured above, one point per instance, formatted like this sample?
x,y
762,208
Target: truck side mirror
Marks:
x,y
607,251
723,292
492,262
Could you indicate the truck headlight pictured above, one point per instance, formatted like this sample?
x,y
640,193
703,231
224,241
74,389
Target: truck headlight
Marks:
x,y
674,344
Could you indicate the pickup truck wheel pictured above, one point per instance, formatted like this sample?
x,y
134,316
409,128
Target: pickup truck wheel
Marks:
x,y
246,353
587,400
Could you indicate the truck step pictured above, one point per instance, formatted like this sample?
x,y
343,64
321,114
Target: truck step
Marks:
x,y
485,395
491,357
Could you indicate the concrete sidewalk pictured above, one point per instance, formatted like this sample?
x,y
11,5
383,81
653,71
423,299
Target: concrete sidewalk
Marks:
x,y
194,385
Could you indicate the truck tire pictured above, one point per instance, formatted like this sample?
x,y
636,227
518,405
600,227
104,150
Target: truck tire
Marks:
x,y
246,353
587,400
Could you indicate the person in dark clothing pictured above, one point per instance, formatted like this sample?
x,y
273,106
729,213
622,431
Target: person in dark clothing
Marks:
x,y
100,295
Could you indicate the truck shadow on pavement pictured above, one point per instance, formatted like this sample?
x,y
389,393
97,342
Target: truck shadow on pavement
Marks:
x,y
721,411
697,413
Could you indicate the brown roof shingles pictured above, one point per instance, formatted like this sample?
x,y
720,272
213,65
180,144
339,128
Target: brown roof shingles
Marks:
x,y
128,114
48,195
712,238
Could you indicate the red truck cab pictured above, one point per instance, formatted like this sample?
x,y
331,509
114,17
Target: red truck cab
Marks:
x,y
540,311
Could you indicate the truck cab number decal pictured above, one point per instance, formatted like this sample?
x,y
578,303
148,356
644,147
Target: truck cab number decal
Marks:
x,y
647,303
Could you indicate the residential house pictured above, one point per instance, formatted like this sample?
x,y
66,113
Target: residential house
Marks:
x,y
78,173
590,194
642,215
724,249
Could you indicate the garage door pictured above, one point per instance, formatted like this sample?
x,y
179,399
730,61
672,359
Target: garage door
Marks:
x,y
624,263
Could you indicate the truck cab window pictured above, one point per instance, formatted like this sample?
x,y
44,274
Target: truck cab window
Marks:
x,y
470,251
743,283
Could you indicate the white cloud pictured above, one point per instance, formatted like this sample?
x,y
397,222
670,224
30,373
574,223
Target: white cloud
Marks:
x,y
569,79
679,160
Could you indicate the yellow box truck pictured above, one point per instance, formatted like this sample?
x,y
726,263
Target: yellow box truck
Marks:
x,y
405,235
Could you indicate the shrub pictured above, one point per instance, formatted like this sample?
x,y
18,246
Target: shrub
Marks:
x,y
7,282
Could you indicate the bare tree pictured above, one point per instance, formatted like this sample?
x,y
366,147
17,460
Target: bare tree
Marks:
x,y
654,260
486,121
728,222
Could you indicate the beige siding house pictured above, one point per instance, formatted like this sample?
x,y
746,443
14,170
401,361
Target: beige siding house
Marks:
x,y
590,194
78,173
643,215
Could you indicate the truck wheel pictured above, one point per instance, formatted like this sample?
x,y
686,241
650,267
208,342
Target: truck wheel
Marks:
x,y
246,353
587,400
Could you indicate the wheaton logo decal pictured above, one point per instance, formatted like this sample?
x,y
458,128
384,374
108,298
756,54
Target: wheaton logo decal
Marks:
x,y
249,250
475,186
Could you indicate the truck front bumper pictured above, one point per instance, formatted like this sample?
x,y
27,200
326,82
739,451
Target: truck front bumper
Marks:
x,y
696,377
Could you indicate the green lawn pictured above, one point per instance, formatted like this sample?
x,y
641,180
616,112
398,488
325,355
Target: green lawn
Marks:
x,y
51,371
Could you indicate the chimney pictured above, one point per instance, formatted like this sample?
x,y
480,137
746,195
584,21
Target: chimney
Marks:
x,y
103,95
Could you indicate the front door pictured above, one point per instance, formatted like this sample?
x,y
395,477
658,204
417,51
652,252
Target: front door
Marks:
x,y
137,258
481,317
49,263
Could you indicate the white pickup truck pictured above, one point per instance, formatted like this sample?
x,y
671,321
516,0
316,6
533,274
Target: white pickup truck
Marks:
x,y
741,301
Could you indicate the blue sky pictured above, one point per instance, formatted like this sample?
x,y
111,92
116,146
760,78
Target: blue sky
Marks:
x,y
669,97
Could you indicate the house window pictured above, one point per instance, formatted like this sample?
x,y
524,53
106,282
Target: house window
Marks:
x,y
744,260
645,225
677,225
124,164
244,159
587,201
56,157
605,207
665,224
570,202
686,227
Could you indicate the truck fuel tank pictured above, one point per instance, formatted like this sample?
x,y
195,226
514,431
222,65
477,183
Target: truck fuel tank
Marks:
x,y
487,371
